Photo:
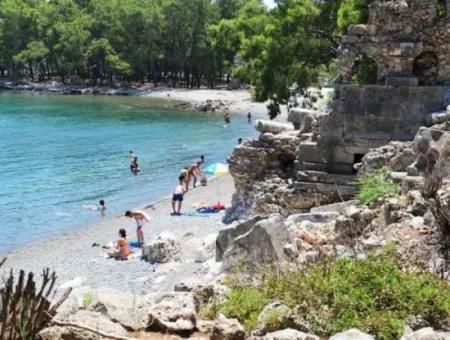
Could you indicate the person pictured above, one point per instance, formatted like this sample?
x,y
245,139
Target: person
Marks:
x,y
178,196
134,166
101,206
131,156
121,249
240,141
249,117
192,171
140,217
183,175
227,118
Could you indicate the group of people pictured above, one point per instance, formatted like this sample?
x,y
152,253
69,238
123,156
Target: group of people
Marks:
x,y
121,249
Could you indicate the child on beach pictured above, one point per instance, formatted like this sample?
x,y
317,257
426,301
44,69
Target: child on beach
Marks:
x,y
140,217
192,171
183,175
121,249
178,196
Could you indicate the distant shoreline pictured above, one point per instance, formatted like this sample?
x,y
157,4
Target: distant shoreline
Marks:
x,y
203,99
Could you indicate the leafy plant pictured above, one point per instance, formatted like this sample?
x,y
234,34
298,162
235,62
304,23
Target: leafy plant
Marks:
x,y
88,298
375,295
374,185
245,304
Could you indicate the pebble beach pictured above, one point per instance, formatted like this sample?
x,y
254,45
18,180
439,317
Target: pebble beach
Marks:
x,y
78,263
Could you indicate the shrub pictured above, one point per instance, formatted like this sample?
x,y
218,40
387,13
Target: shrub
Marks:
x,y
245,304
375,295
374,185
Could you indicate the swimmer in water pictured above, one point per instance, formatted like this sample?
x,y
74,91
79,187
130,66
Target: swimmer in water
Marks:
x,y
101,206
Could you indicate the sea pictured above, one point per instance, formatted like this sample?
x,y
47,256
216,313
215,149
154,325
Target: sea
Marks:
x,y
59,153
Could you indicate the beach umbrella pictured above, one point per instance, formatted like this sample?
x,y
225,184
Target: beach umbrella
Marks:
x,y
217,169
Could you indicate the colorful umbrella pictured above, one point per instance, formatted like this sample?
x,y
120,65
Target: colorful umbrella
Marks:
x,y
217,169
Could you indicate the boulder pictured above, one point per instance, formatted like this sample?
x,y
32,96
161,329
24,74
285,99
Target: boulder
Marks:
x,y
227,236
426,334
303,119
207,249
286,334
128,310
227,329
98,322
315,217
173,312
338,208
273,317
352,334
262,244
273,127
164,249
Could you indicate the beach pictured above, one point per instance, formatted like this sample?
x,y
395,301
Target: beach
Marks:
x,y
77,263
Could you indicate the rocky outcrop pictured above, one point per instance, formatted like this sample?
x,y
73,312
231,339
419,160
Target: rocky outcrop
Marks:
x,y
352,334
254,244
286,334
173,312
166,248
227,329
426,334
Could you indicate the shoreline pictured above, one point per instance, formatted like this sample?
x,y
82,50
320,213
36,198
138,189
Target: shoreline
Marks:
x,y
74,259
202,100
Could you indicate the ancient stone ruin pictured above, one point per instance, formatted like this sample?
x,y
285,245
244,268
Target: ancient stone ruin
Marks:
x,y
407,44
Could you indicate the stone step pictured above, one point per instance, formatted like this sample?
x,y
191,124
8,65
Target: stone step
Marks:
x,y
344,191
324,177
309,152
338,168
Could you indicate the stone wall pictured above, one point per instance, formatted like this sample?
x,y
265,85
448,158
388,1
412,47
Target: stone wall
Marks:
x,y
404,38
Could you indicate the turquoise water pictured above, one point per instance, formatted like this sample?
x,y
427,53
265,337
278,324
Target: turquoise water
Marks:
x,y
58,153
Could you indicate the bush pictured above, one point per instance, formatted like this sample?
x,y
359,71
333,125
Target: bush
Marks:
x,y
374,185
375,295
245,304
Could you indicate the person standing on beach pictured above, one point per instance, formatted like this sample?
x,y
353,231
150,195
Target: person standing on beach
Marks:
x,y
192,171
178,196
141,218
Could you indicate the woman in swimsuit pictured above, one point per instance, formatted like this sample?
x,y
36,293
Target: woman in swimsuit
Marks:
x,y
121,249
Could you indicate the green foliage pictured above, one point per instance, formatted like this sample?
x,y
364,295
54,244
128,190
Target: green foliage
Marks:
x,y
353,12
374,185
88,298
245,304
375,295
365,71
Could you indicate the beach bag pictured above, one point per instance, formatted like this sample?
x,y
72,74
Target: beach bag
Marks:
x,y
204,181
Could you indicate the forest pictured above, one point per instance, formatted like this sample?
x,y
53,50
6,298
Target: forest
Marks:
x,y
184,43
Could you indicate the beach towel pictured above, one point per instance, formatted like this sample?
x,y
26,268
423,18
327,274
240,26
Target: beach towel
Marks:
x,y
207,210
195,214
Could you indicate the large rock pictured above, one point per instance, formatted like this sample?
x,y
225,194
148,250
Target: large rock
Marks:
x,y
352,334
227,329
274,316
286,334
128,310
272,127
261,244
166,248
303,119
426,334
92,320
173,312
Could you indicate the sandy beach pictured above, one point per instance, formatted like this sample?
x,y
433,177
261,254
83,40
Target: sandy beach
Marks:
x,y
75,260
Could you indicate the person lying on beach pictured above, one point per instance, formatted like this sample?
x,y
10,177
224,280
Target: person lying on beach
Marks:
x,y
121,249
140,217
177,199
193,170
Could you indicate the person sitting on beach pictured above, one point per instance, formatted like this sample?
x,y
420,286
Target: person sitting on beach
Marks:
x,y
183,175
140,217
121,249
192,171
134,166
178,195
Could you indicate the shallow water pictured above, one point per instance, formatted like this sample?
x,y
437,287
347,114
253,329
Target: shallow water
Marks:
x,y
58,153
